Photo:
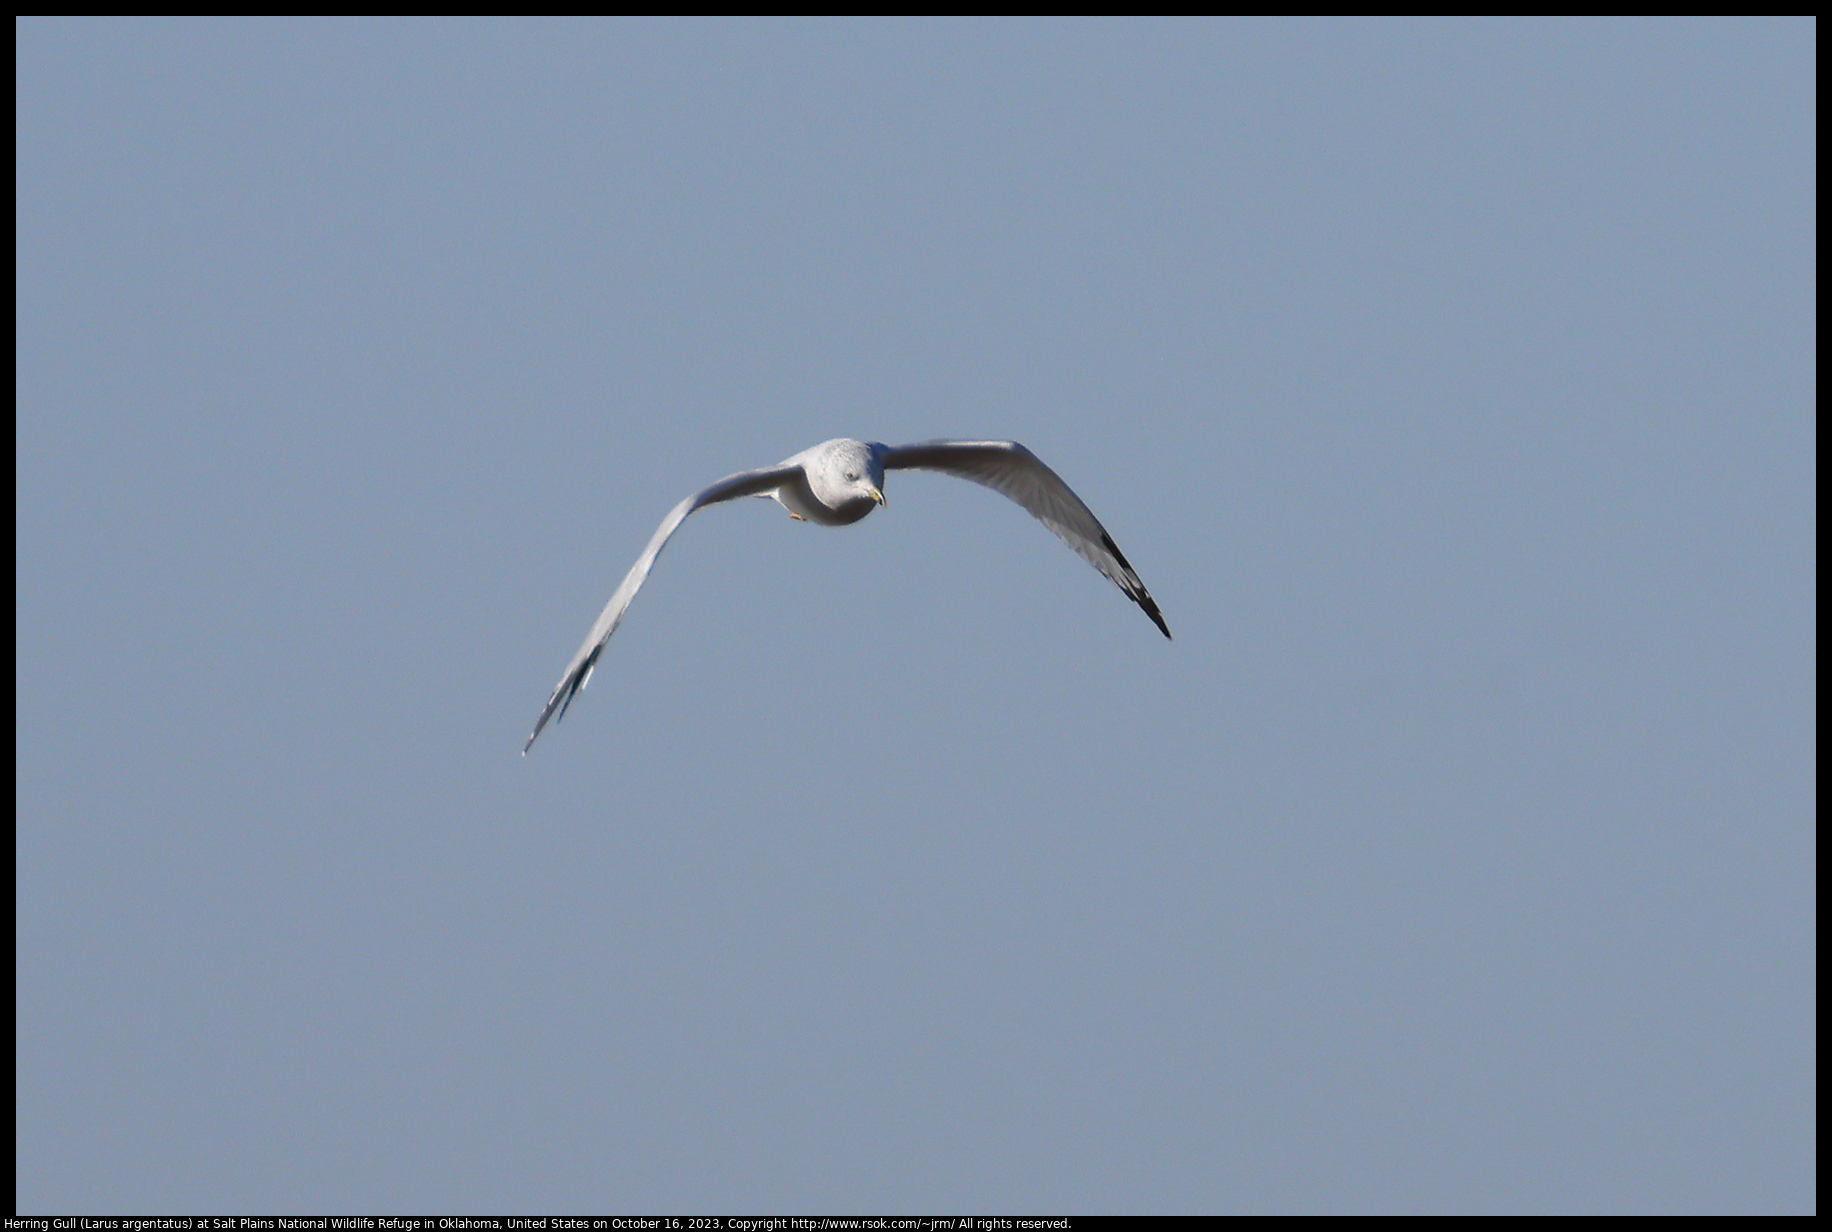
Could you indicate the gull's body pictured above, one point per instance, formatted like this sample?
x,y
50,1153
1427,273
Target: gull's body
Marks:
x,y
840,481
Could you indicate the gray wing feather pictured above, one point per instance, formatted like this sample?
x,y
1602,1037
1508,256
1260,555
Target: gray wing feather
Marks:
x,y
745,483
1011,470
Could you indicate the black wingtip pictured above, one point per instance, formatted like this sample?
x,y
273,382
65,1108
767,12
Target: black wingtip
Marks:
x,y
1151,609
539,727
1135,590
562,698
549,712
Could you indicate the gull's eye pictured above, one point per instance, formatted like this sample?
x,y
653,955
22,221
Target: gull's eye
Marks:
x,y
852,476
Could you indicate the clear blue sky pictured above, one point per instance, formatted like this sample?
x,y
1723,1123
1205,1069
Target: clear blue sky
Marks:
x,y
1451,384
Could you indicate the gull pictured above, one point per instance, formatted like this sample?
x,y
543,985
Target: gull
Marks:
x,y
840,481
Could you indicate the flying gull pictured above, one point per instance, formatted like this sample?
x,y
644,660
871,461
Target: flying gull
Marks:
x,y
840,481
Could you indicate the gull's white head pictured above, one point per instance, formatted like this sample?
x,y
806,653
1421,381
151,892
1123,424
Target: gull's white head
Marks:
x,y
845,472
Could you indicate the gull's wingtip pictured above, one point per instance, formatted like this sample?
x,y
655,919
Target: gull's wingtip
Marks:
x,y
562,699
1149,606
541,723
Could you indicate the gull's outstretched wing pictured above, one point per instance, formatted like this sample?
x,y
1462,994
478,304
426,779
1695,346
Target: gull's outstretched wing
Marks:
x,y
1014,471
745,483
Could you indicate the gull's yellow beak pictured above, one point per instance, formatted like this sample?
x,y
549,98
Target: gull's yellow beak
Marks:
x,y
877,496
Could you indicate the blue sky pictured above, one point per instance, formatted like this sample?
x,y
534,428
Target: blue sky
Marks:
x,y
1450,384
